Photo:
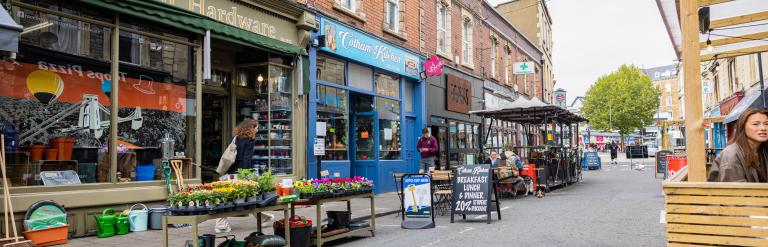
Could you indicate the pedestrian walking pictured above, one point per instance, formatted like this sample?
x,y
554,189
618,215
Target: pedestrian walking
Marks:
x,y
245,139
614,152
427,146
744,160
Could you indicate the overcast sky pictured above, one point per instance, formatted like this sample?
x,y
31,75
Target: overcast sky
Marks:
x,y
594,37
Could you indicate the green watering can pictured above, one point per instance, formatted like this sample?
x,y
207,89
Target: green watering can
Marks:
x,y
105,223
122,223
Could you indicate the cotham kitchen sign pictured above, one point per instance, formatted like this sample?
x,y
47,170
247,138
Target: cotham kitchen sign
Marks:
x,y
241,16
458,94
347,42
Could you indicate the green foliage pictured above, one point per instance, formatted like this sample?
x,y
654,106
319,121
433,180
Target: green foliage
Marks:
x,y
246,174
265,181
626,96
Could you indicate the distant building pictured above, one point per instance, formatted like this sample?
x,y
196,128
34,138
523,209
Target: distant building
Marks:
x,y
576,105
665,79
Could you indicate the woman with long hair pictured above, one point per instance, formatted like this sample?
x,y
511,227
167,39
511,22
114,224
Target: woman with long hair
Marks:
x,y
245,139
744,159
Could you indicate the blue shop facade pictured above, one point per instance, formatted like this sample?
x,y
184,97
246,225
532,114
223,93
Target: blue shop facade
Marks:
x,y
365,108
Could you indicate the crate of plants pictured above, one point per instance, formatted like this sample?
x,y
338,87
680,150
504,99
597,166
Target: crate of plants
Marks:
x,y
316,189
245,193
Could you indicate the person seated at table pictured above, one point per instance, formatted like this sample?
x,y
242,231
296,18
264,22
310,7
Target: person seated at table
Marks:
x,y
514,164
744,159
494,160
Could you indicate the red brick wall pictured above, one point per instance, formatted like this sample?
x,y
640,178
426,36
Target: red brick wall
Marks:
x,y
374,20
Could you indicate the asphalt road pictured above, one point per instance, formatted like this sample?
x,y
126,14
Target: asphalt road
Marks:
x,y
614,206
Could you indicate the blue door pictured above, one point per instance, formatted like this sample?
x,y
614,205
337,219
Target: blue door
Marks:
x,y
411,135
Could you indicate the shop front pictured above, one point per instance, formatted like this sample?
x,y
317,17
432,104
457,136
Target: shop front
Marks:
x,y
364,106
452,95
503,135
109,90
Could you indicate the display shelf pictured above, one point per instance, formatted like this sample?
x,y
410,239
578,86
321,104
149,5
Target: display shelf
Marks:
x,y
336,149
318,239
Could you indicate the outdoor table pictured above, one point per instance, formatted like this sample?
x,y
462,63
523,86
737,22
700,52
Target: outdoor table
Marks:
x,y
194,220
319,240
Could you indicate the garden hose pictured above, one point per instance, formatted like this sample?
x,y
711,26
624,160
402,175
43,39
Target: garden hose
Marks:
x,y
167,174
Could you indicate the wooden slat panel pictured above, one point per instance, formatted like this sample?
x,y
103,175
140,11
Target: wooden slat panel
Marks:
x,y
684,245
704,3
736,20
716,210
704,239
717,230
719,185
724,200
741,38
715,220
735,52
716,192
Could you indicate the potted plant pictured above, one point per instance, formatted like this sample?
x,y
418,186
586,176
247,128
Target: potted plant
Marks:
x,y
266,183
300,228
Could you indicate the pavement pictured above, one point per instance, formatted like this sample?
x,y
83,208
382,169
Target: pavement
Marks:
x,y
619,205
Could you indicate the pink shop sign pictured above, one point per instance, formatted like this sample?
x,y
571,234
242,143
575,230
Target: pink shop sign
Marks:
x,y
433,66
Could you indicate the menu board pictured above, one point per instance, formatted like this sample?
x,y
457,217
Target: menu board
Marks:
x,y
592,160
471,189
661,161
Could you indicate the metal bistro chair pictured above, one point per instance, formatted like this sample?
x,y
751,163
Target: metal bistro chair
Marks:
x,y
398,178
442,190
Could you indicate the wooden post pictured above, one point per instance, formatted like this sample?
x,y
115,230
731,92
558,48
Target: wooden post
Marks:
x,y
694,131
113,117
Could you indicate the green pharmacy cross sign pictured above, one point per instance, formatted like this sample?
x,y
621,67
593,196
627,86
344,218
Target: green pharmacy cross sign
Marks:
x,y
524,68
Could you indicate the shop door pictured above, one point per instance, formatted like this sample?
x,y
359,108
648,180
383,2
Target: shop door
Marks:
x,y
363,136
411,135
215,129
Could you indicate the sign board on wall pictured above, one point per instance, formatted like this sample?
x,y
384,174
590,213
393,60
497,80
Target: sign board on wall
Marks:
x,y
434,66
523,68
458,94
347,42
242,16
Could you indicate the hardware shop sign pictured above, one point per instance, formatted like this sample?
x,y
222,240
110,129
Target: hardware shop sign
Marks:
x,y
347,42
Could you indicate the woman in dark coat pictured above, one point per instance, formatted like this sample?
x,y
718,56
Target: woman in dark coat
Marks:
x,y
744,159
245,139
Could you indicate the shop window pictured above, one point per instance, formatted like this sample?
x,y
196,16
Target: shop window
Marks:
x,y
330,70
470,136
393,13
437,120
461,136
453,133
362,105
389,128
360,77
443,28
157,110
348,4
493,57
332,110
408,97
388,85
61,34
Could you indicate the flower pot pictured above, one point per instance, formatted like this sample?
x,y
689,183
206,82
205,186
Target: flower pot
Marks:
x,y
239,200
253,198
65,146
299,235
51,154
48,236
36,152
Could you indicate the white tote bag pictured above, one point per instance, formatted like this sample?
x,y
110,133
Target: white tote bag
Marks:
x,y
227,158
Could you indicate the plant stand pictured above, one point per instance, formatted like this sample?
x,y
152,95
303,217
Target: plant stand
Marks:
x,y
194,220
319,240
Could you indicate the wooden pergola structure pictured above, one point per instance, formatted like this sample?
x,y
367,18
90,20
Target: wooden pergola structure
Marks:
x,y
701,212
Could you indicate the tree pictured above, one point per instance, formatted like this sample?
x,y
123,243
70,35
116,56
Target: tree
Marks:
x,y
624,100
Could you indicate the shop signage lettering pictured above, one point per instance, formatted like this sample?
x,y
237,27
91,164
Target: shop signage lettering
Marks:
x,y
458,95
77,70
434,66
472,190
242,17
417,196
347,42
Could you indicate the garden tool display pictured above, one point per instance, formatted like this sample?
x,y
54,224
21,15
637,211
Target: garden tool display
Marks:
x,y
178,170
16,241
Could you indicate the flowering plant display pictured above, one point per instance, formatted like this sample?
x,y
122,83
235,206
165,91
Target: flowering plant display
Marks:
x,y
294,222
308,188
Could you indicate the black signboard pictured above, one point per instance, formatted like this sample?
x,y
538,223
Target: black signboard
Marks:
x,y
472,188
661,162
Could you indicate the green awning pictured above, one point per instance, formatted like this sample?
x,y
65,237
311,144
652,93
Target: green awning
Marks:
x,y
192,22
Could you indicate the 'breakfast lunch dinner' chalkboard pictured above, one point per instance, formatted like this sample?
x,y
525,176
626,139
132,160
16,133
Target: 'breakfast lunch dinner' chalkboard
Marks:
x,y
472,188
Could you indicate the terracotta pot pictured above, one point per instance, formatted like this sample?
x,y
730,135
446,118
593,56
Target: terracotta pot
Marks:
x,y
65,146
51,154
36,152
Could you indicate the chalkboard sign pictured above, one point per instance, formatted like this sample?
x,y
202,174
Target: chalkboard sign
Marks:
x,y
661,161
472,187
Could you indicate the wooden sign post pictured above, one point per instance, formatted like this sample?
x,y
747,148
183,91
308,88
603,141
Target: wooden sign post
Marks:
x,y
472,192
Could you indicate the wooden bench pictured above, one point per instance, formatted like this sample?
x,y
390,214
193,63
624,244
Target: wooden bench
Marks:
x,y
707,213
